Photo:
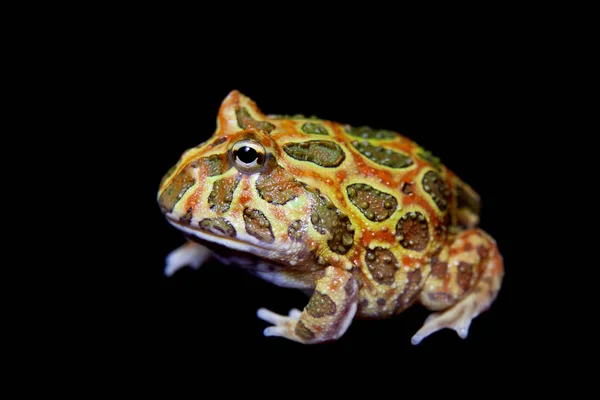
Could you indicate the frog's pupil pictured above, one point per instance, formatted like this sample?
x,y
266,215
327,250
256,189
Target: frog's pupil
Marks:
x,y
247,154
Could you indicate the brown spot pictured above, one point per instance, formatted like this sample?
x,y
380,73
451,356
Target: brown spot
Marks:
x,y
218,226
464,275
187,218
278,186
381,301
175,190
411,289
468,246
245,120
438,268
407,188
482,251
412,231
221,195
303,332
374,204
364,303
320,305
258,225
296,230
441,298
321,152
437,189
382,264
329,220
349,287
218,141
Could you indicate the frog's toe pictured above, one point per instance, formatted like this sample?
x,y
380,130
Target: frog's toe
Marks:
x,y
457,318
190,254
283,326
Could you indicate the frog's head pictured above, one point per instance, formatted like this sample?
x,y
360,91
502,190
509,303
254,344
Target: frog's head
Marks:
x,y
239,190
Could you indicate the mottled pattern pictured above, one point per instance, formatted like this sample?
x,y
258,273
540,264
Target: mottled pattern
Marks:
x,y
314,129
365,219
438,268
217,226
411,289
382,156
412,231
370,133
374,204
296,230
437,189
258,225
215,164
303,332
245,120
328,220
321,152
382,264
175,191
464,275
278,186
430,158
320,305
221,195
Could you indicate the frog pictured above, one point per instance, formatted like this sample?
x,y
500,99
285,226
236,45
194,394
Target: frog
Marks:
x,y
365,221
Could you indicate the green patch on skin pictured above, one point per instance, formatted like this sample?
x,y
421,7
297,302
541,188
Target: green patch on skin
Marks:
x,y
426,155
328,220
296,230
303,332
286,116
374,204
258,225
321,152
217,226
314,129
382,156
320,305
245,120
435,186
369,133
221,195
277,186
216,164
175,191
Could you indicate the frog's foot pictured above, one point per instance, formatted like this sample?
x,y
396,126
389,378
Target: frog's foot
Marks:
x,y
190,254
457,318
462,285
283,326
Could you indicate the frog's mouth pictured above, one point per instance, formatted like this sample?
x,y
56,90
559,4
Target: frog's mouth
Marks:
x,y
242,242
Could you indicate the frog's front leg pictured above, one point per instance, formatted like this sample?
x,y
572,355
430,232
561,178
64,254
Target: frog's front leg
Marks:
x,y
190,254
327,315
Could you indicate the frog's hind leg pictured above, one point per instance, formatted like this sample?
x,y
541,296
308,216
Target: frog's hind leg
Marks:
x,y
465,280
190,254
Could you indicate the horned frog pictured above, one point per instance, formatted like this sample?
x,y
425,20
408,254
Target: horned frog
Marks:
x,y
365,220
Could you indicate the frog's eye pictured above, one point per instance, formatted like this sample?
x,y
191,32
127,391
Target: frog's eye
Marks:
x,y
248,156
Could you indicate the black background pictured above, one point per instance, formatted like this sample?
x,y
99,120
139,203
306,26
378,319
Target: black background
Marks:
x,y
473,110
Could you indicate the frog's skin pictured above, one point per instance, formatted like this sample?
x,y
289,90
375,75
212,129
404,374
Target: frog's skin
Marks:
x,y
364,220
